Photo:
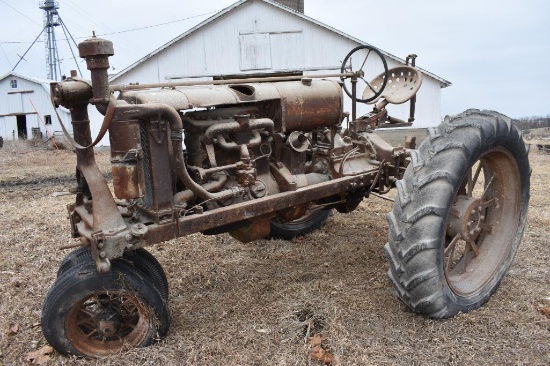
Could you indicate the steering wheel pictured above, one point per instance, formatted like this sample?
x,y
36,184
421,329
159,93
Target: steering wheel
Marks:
x,y
357,64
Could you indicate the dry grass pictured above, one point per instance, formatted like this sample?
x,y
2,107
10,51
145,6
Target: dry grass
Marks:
x,y
249,304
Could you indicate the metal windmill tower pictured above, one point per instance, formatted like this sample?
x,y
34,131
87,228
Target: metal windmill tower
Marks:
x,y
51,20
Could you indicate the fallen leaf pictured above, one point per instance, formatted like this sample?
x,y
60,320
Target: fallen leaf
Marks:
x,y
318,353
40,359
315,340
14,329
40,356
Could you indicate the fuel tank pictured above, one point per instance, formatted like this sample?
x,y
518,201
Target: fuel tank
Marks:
x,y
300,105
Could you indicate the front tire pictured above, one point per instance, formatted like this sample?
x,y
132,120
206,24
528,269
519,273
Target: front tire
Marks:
x,y
139,258
93,314
460,214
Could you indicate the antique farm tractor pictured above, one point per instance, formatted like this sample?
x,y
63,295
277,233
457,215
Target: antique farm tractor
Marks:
x,y
272,157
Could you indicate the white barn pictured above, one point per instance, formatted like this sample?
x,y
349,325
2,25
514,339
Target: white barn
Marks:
x,y
253,37
26,110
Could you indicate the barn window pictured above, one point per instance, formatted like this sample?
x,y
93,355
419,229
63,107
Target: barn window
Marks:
x,y
275,50
48,119
13,83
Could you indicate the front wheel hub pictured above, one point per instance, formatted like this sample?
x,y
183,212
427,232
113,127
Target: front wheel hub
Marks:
x,y
109,325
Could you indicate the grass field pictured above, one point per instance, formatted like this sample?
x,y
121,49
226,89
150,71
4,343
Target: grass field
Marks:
x,y
252,304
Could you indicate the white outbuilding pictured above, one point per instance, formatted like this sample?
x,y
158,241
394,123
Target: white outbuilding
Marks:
x,y
26,110
262,38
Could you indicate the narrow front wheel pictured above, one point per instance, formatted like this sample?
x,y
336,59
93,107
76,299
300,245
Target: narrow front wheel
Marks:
x,y
86,313
139,258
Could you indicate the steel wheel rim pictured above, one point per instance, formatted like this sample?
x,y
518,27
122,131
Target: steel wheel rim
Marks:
x,y
482,223
103,323
308,214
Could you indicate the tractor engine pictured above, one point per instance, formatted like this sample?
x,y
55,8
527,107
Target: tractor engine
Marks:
x,y
242,142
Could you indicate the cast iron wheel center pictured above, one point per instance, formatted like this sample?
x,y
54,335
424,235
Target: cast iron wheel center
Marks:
x,y
467,217
109,324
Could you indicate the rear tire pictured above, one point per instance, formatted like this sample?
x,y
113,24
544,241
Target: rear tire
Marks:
x,y
302,226
459,215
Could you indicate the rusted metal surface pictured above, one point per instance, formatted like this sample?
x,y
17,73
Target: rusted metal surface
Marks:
x,y
301,106
104,323
125,155
475,243
411,60
96,51
271,204
271,79
306,106
255,150
403,84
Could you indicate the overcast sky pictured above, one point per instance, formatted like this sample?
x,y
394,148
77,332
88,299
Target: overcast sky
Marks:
x,y
496,53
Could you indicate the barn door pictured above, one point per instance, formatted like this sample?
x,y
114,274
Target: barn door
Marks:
x,y
22,126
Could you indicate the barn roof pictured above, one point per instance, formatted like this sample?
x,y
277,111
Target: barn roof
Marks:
x,y
44,82
232,7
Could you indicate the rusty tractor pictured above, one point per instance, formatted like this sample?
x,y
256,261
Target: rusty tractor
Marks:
x,y
272,157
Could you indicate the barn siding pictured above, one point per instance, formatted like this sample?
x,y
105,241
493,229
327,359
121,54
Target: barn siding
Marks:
x,y
293,44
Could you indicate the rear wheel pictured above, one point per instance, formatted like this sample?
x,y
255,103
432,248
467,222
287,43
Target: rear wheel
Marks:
x,y
312,220
86,313
459,215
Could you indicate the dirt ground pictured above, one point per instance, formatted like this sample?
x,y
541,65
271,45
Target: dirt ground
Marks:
x,y
251,304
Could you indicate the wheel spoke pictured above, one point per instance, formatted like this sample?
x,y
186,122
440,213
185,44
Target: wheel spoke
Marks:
x,y
365,61
454,212
469,184
465,257
93,332
451,247
128,306
89,322
487,187
452,244
127,328
86,313
489,203
474,178
370,87
474,247
486,227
